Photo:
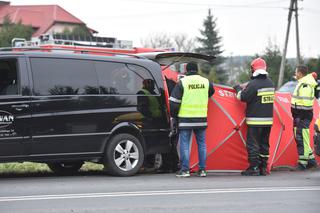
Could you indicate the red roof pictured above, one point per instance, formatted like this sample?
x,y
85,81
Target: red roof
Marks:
x,y
41,17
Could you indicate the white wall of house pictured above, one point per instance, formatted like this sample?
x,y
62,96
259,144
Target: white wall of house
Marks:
x,y
60,27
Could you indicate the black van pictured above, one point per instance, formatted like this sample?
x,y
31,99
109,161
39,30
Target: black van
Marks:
x,y
64,108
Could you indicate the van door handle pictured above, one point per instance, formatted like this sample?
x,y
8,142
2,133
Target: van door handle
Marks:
x,y
20,106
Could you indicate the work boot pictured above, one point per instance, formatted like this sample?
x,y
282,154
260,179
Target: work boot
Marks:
x,y
263,166
312,163
251,171
263,171
301,167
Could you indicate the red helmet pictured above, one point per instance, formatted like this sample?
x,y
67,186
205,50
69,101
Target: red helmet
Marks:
x,y
258,63
314,75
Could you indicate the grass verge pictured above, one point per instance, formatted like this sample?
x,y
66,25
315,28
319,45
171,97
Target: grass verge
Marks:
x,y
29,167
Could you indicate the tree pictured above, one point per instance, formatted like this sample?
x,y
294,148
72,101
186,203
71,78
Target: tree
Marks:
x,y
159,40
210,44
182,43
210,75
272,55
179,42
244,77
313,65
11,30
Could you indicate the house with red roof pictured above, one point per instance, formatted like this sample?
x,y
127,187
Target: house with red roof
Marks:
x,y
44,19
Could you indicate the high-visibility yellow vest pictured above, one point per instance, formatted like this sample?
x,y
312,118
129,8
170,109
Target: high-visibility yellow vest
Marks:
x,y
194,103
154,105
303,94
317,123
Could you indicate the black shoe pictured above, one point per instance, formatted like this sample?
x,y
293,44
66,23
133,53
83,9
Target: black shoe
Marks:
x,y
202,173
263,171
312,163
251,171
183,174
301,167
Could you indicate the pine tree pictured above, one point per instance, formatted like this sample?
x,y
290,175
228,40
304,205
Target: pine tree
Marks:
x,y
210,44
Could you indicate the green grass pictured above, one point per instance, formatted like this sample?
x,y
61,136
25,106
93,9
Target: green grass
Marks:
x,y
28,167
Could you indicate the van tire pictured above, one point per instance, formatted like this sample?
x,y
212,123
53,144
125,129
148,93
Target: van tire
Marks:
x,y
124,155
65,167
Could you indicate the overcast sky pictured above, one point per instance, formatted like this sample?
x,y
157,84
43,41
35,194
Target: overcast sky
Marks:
x,y
245,25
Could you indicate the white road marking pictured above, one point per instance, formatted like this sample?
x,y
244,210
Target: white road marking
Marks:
x,y
158,193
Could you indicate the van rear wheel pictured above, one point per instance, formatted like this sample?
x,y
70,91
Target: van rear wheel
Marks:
x,y
65,167
124,155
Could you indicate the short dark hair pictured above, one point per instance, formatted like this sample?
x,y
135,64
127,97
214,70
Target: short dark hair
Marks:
x,y
192,67
302,69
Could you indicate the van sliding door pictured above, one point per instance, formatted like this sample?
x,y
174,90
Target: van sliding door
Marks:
x,y
60,125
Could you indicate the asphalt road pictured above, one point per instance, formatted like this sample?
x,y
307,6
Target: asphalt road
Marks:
x,y
282,191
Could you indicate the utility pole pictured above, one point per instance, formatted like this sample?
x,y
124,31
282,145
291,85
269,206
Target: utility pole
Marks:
x,y
285,44
297,33
293,7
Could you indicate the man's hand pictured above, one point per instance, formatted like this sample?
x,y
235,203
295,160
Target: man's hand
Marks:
x,y
237,88
173,127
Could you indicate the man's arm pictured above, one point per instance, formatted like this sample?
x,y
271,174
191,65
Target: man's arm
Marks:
x,y
175,99
211,89
246,94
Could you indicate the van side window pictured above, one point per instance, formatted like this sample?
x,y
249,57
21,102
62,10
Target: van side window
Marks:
x,y
8,77
120,78
54,76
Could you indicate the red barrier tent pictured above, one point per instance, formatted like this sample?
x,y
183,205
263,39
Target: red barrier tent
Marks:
x,y
226,133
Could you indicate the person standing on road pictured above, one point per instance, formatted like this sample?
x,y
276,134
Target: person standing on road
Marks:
x,y
302,113
189,103
259,96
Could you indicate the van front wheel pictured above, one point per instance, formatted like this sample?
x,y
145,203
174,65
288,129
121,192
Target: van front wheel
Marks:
x,y
124,155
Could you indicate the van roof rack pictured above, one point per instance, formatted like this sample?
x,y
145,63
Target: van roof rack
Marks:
x,y
73,50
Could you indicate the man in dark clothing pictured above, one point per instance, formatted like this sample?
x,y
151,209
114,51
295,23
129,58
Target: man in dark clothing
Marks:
x,y
259,96
189,103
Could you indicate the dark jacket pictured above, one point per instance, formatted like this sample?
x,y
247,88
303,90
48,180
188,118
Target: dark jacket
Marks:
x,y
259,107
175,102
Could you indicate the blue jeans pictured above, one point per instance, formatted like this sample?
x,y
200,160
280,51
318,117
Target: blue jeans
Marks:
x,y
185,141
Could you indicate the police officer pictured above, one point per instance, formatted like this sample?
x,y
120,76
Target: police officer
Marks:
x,y
148,104
189,103
259,96
302,113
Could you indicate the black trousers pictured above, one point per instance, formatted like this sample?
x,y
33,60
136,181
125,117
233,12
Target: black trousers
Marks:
x,y
258,145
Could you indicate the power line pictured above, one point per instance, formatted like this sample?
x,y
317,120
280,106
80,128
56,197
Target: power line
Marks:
x,y
251,5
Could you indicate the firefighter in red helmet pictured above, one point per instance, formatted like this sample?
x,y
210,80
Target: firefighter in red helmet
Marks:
x,y
259,96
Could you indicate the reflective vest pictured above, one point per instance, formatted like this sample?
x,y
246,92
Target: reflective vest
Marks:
x,y
194,103
154,106
303,94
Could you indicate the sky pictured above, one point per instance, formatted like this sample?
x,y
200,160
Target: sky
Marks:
x,y
246,26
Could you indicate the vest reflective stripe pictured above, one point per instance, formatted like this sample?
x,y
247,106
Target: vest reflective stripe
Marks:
x,y
259,121
302,107
265,91
239,95
174,100
194,102
193,124
303,94
302,98
154,105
